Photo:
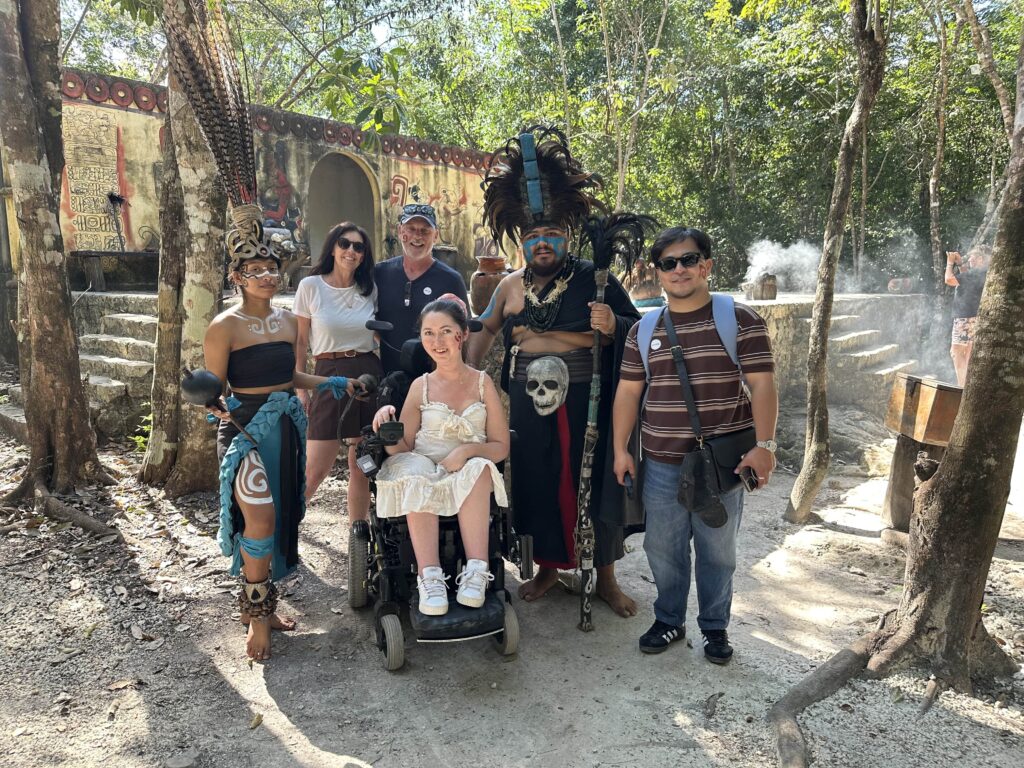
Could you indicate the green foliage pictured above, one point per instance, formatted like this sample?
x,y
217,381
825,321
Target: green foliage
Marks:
x,y
141,436
737,131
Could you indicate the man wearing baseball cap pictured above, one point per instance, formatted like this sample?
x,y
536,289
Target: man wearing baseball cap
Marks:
x,y
407,283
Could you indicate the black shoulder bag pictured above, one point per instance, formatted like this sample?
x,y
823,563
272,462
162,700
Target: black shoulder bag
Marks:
x,y
710,471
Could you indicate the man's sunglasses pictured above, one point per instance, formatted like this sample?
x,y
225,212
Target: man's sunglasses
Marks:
x,y
688,260
357,246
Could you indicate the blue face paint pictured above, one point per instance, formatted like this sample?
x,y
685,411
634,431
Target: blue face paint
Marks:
x,y
557,244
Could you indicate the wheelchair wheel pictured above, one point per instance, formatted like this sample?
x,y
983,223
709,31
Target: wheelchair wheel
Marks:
x,y
391,641
507,641
358,588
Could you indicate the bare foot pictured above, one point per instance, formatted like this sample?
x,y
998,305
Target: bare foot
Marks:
x,y
608,590
538,586
283,623
257,642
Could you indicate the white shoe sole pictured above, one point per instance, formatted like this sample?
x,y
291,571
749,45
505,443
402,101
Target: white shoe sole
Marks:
x,y
470,602
433,610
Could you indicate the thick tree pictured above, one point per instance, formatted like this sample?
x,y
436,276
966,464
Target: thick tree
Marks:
x,y
959,511
195,465
866,24
162,447
61,441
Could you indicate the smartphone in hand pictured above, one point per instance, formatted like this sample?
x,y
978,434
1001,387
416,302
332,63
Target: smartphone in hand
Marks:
x,y
749,479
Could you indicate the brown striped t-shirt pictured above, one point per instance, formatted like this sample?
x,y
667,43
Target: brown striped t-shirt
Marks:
x,y
717,388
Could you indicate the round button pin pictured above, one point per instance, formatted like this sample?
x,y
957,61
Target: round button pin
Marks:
x,y
656,344
427,291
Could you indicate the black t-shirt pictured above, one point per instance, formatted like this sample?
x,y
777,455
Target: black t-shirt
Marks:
x,y
394,288
967,297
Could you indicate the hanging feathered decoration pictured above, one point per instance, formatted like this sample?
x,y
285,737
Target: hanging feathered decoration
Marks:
x,y
203,63
533,179
618,237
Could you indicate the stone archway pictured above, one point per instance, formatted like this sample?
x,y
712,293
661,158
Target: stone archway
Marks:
x,y
342,188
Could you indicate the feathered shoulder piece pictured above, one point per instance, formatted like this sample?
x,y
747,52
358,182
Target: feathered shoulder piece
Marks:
x,y
533,179
203,63
618,238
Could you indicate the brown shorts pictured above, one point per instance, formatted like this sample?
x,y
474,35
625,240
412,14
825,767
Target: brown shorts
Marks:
x,y
325,410
963,329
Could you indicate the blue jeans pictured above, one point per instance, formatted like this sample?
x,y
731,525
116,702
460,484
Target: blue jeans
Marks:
x,y
667,544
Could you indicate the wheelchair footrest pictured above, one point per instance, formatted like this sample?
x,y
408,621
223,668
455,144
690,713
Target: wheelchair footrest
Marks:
x,y
460,623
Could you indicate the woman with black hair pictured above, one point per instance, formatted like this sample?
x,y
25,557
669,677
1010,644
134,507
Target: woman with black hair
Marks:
x,y
332,306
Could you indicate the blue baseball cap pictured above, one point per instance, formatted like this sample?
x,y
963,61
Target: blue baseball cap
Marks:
x,y
418,211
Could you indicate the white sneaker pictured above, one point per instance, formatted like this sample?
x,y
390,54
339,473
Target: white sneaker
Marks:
x,y
473,583
433,592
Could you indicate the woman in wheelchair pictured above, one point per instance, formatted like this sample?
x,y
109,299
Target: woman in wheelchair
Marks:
x,y
455,431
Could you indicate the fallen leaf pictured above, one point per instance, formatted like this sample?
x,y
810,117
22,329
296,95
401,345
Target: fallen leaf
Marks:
x,y
183,628
90,629
20,731
112,709
711,704
337,611
846,707
156,643
75,585
129,682
256,720
121,591
137,632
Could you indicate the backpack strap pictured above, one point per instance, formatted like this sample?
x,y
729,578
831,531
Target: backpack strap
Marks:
x,y
723,310
644,335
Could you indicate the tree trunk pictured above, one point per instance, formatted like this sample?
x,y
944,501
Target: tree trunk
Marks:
x,y
958,513
62,443
195,467
935,177
162,447
983,47
870,41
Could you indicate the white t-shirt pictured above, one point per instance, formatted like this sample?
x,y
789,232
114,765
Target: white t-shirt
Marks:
x,y
337,315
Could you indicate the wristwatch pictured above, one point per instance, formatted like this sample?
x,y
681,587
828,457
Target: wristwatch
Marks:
x,y
768,445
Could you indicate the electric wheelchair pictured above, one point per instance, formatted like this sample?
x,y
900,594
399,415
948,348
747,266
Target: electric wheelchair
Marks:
x,y
382,566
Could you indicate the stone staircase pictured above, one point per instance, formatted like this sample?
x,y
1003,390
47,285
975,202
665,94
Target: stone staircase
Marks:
x,y
868,347
116,344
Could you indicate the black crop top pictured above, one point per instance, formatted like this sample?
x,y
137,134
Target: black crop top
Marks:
x,y
261,365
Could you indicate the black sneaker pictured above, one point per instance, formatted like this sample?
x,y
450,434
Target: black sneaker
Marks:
x,y
660,636
716,646
361,530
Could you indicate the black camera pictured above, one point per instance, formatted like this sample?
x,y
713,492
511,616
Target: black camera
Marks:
x,y
391,432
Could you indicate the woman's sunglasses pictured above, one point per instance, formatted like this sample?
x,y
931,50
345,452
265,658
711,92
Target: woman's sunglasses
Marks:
x,y
358,247
272,272
688,260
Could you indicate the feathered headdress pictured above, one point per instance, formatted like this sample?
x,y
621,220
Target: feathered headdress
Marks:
x,y
618,237
203,62
533,179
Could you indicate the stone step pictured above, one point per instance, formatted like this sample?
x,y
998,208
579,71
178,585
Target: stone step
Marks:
x,y
12,422
891,370
136,374
839,323
101,390
133,326
117,346
866,358
853,340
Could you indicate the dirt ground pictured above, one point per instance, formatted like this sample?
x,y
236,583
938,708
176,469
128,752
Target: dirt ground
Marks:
x,y
129,655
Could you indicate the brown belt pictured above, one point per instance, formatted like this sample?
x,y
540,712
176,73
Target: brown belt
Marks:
x,y
337,355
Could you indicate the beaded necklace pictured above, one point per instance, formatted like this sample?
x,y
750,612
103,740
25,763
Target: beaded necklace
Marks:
x,y
541,313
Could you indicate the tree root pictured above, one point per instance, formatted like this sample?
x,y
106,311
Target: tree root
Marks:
x,y
21,492
898,539
790,744
51,507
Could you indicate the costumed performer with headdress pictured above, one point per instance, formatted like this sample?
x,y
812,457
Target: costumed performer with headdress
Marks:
x,y
251,346
537,195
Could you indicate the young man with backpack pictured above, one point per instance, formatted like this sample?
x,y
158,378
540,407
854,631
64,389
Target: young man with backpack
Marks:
x,y
693,462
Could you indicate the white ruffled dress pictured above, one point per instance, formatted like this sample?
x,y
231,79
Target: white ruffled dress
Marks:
x,y
415,482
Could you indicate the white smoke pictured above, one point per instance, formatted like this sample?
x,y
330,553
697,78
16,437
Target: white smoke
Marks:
x,y
795,266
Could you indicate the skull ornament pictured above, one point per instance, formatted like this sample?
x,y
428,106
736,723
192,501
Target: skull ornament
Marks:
x,y
547,384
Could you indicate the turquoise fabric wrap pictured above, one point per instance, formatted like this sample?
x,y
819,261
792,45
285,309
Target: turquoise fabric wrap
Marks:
x,y
263,428
256,548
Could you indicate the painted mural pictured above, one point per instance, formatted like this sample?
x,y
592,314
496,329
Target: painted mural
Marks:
x,y
113,131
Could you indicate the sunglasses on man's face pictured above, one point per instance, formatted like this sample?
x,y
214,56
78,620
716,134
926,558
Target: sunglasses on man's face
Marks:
x,y
357,246
688,260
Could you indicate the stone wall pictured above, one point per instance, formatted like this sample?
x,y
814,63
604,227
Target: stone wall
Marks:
x,y
312,173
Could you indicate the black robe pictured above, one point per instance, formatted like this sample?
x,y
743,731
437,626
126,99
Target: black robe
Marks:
x,y
536,451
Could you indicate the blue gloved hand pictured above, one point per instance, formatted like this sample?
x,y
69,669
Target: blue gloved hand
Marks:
x,y
336,385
